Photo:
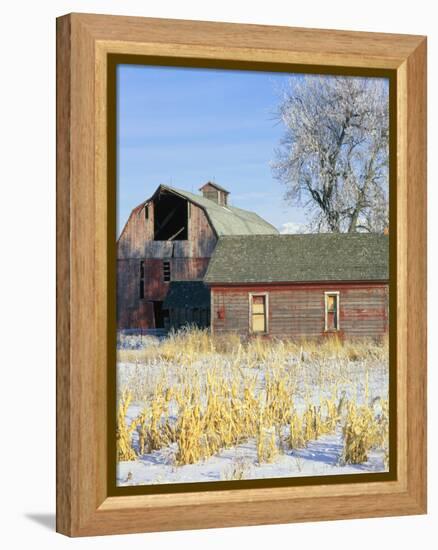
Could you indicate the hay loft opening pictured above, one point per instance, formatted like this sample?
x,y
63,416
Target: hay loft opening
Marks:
x,y
171,217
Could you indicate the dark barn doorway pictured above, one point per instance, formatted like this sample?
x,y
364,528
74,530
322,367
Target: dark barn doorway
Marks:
x,y
161,315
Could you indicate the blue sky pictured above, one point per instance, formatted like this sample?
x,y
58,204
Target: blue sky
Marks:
x,y
183,127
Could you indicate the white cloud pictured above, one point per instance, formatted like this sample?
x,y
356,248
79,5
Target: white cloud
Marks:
x,y
290,228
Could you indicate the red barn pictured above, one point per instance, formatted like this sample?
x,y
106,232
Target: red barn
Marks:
x,y
300,286
164,250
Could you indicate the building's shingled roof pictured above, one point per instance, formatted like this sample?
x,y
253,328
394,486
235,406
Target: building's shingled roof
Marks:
x,y
182,294
299,258
228,220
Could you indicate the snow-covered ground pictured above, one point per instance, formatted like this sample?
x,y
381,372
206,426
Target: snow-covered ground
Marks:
x,y
360,379
320,457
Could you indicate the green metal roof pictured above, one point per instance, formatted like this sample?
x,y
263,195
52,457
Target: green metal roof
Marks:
x,y
182,294
227,220
299,258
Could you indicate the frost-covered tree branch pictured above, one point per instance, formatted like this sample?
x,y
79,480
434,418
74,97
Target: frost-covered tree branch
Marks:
x,y
333,157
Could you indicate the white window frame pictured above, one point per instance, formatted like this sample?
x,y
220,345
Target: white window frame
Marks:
x,y
250,297
326,295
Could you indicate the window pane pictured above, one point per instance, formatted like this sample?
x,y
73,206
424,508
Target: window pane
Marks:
x,y
258,323
258,304
166,271
330,320
331,302
258,308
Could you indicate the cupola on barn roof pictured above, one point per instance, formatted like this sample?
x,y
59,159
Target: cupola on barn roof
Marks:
x,y
215,185
215,192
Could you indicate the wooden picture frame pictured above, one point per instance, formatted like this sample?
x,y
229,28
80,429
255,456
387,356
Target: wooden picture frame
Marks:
x,y
84,205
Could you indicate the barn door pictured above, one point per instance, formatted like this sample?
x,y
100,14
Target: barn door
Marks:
x,y
161,315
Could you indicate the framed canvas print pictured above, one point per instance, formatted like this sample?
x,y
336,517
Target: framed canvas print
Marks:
x,y
241,274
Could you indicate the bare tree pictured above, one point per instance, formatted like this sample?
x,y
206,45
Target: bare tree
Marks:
x,y
333,157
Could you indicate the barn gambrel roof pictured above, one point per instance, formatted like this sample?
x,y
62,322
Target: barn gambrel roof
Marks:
x,y
225,220
299,258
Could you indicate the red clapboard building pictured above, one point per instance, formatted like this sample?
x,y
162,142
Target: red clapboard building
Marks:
x,y
300,286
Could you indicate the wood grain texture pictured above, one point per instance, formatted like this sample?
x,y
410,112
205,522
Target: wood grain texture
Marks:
x,y
417,268
83,504
63,403
309,45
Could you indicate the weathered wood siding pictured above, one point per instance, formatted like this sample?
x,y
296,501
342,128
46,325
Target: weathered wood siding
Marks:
x,y
137,238
188,261
137,231
201,235
298,310
134,312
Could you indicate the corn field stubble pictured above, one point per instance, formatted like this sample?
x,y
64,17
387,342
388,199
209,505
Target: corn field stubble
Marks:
x,y
191,396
